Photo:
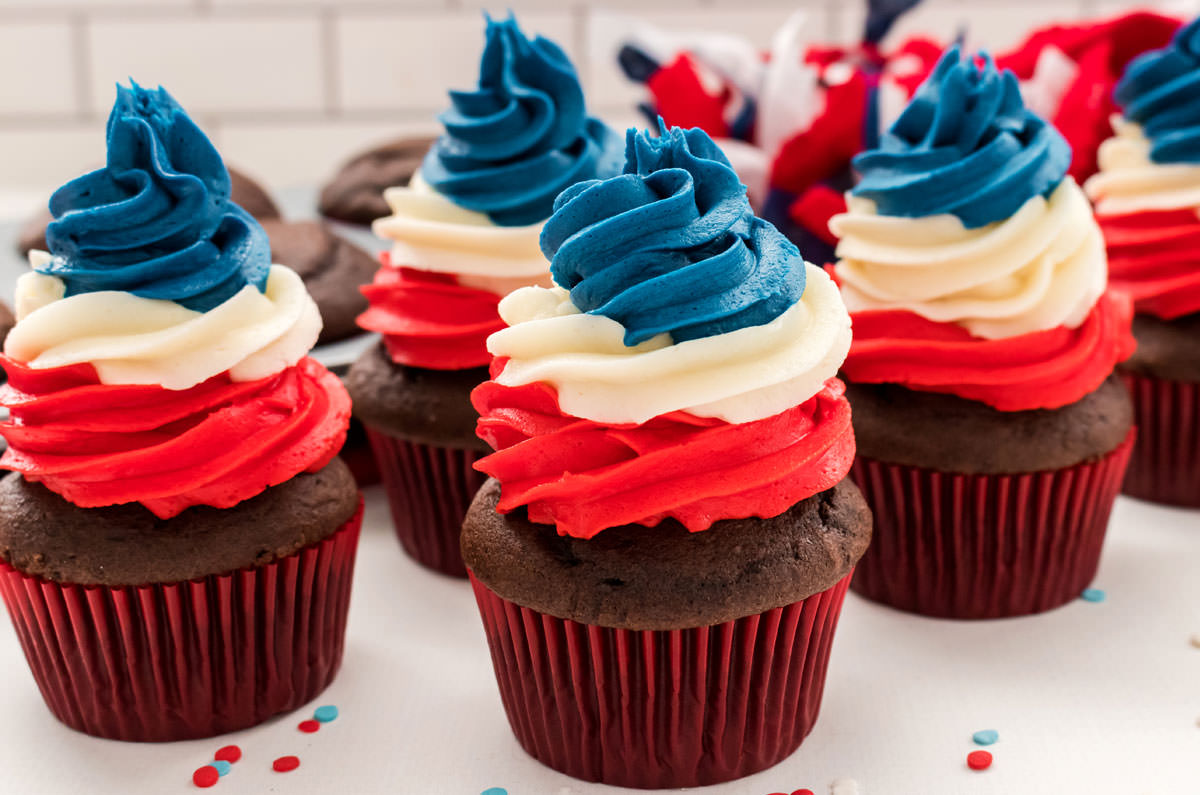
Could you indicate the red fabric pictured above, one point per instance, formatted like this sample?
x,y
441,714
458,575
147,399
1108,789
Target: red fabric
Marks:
x,y
1155,258
430,320
815,207
1101,51
217,444
681,99
1041,370
829,144
584,476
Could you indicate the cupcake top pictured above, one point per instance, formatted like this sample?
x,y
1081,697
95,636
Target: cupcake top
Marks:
x,y
965,233
158,356
683,365
469,220
1147,192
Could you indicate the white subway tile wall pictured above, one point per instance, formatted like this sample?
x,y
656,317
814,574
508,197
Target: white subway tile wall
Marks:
x,y
289,88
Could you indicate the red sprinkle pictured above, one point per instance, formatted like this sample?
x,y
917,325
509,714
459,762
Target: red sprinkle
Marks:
x,y
309,726
230,754
979,760
803,792
285,763
205,777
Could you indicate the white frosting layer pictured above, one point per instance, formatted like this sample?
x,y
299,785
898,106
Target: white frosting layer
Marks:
x,y
740,376
133,340
1041,268
431,233
1130,182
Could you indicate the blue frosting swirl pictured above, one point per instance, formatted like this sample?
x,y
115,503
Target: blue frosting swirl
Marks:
x,y
514,143
156,221
965,145
1160,90
671,245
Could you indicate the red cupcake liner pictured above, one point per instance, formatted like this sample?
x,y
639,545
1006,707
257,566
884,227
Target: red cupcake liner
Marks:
x,y
357,454
660,709
193,659
429,490
1165,466
985,546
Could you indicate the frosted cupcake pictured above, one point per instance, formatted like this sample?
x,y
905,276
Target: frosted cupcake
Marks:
x,y
992,434
668,501
463,233
1147,197
177,537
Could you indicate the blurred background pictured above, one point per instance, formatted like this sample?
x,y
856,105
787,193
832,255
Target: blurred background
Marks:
x,y
289,88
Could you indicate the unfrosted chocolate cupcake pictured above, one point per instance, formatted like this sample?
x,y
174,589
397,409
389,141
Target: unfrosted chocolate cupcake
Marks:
x,y
333,270
355,194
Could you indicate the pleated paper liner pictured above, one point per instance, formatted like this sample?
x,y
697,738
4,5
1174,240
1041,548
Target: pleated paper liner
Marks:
x,y
661,709
985,546
191,659
1165,466
429,490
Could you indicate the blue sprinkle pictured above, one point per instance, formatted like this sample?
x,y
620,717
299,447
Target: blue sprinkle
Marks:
x,y
1092,595
222,767
326,714
494,791
985,737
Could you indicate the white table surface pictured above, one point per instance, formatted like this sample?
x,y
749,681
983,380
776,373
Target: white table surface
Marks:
x,y
1088,699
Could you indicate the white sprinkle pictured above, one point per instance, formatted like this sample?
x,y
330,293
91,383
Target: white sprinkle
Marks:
x,y
844,786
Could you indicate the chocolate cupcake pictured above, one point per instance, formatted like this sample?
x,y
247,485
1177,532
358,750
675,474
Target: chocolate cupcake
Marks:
x,y
992,434
244,192
1147,195
333,270
463,233
355,194
176,514
669,490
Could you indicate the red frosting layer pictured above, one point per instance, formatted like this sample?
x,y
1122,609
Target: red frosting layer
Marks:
x,y
1155,258
584,476
217,444
430,320
1041,370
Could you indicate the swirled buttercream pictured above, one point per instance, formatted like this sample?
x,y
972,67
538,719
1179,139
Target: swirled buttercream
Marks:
x,y
1160,91
156,221
967,146
1041,268
522,136
738,376
671,246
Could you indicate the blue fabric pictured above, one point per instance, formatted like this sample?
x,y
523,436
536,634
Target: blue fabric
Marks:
x,y
156,221
965,145
1160,90
671,245
514,143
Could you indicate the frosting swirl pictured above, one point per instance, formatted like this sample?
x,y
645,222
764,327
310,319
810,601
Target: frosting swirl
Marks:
x,y
522,136
157,220
671,246
967,146
1041,268
1160,91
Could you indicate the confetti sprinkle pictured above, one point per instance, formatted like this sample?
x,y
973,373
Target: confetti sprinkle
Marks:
x,y
326,714
1092,595
494,791
285,764
222,767
230,753
309,726
979,760
844,786
205,777
985,737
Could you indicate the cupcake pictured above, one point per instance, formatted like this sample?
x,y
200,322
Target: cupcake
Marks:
x,y
355,193
992,435
463,233
177,536
662,551
1147,197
